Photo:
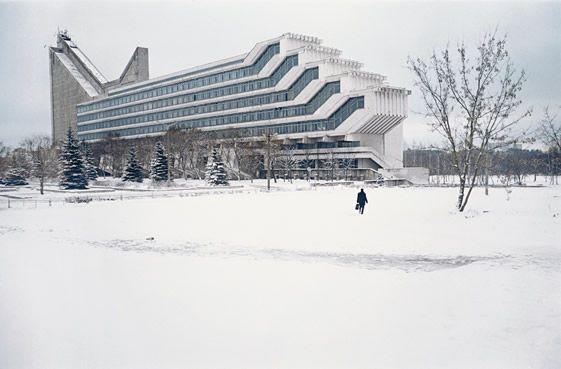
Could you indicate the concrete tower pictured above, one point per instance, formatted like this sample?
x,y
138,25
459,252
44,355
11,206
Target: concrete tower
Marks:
x,y
75,79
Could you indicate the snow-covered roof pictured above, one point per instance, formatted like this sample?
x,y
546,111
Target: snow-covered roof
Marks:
x,y
87,62
86,85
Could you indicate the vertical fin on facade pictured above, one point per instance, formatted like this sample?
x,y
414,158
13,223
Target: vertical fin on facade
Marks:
x,y
136,69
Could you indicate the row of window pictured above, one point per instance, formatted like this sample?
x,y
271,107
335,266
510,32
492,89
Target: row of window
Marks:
x,y
288,95
272,113
159,81
349,107
263,59
319,145
243,87
347,163
329,124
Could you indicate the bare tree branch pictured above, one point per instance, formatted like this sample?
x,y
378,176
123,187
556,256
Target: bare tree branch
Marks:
x,y
472,103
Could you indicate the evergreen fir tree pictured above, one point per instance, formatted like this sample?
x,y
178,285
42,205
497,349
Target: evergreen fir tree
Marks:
x,y
216,173
208,168
89,166
15,177
159,167
72,173
17,171
133,170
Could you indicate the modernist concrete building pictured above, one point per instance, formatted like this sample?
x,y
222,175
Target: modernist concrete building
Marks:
x,y
75,79
291,86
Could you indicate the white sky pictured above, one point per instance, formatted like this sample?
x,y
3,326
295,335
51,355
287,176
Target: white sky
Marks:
x,y
180,35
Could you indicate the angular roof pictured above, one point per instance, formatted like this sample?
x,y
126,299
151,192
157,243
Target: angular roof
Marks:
x,y
87,62
78,76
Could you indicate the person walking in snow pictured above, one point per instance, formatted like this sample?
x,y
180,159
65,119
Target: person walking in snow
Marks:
x,y
361,200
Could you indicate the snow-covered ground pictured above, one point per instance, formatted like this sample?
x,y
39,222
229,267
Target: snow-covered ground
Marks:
x,y
286,279
29,196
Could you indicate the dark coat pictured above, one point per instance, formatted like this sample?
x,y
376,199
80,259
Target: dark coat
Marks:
x,y
361,198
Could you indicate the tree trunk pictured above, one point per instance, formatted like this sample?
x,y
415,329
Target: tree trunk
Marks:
x,y
466,197
170,163
486,178
268,175
460,204
486,183
268,170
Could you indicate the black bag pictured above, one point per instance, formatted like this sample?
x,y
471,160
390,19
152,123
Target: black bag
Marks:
x,y
356,206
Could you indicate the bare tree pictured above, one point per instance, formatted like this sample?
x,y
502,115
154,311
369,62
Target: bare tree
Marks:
x,y
471,104
113,156
228,151
189,138
197,146
251,155
307,163
554,164
271,148
144,148
232,148
4,153
549,130
347,163
44,158
287,160
249,158
330,164
172,143
3,149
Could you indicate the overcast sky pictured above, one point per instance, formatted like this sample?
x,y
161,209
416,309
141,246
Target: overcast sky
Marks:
x,y
180,35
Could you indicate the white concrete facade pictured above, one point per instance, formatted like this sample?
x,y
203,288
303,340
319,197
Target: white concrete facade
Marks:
x,y
292,86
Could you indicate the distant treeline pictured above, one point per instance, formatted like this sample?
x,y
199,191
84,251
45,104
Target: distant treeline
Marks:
x,y
515,163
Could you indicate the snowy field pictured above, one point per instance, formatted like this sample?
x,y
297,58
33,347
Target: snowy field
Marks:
x,y
286,279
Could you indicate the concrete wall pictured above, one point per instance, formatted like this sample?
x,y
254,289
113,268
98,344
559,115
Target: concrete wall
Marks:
x,y
68,51
137,67
66,92
374,141
367,163
416,175
393,146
